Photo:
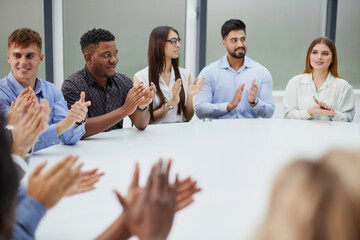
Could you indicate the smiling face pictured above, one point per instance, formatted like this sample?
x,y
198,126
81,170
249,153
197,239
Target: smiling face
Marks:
x,y
24,63
235,43
102,60
321,57
172,50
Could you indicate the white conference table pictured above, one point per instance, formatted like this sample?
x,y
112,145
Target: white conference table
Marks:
x,y
234,161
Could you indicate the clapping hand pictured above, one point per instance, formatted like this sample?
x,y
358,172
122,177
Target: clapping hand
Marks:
x,y
195,87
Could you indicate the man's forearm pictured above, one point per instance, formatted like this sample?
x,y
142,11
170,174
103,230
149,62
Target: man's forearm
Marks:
x,y
117,230
140,119
99,124
63,125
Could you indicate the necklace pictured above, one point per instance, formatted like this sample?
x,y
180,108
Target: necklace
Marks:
x,y
165,74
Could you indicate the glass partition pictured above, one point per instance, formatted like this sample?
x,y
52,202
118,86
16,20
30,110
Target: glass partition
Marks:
x,y
348,40
16,14
278,32
131,21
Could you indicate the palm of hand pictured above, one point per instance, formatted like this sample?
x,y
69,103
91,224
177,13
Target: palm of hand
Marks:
x,y
193,89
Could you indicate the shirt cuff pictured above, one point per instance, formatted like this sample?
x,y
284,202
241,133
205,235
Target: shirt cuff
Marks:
x,y
339,116
221,109
20,162
304,114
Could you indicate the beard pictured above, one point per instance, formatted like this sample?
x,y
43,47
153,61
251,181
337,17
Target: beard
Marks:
x,y
238,55
109,76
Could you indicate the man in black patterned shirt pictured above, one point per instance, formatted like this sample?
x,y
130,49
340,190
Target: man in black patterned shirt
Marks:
x,y
112,95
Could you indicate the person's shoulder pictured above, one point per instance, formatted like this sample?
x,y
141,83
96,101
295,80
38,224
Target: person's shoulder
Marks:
x,y
257,65
300,78
143,71
4,83
340,82
142,74
45,83
211,68
184,71
47,87
122,79
77,77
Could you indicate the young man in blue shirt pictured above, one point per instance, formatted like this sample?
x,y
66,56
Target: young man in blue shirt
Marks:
x,y
24,57
235,86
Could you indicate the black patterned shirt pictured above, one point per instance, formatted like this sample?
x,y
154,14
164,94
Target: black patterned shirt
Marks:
x,y
102,100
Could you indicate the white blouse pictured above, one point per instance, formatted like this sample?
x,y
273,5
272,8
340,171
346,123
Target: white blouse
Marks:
x,y
335,92
171,116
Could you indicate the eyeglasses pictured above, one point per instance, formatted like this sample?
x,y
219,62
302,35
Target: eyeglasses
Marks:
x,y
173,41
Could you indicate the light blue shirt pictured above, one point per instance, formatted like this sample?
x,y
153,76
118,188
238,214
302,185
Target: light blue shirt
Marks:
x,y
220,84
10,88
29,212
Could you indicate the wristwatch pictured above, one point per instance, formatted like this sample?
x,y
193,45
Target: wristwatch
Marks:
x,y
168,106
255,102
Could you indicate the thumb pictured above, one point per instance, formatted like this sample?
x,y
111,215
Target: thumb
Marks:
x,y
82,97
242,87
121,199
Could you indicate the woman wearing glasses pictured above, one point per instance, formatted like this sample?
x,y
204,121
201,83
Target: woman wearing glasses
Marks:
x,y
320,93
173,101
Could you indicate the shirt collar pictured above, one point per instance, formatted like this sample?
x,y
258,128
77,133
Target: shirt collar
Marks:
x,y
17,88
330,80
91,81
224,63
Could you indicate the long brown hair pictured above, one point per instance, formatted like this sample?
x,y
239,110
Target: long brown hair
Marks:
x,y
328,42
156,60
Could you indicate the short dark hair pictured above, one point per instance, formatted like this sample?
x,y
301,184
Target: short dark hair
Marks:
x,y
24,37
232,24
94,36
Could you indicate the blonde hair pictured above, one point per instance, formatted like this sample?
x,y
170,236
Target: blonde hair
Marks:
x,y
315,200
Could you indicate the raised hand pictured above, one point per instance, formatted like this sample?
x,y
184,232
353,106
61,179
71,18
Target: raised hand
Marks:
x,y
148,212
148,96
236,98
79,109
195,87
49,187
85,182
29,127
253,92
20,107
134,97
321,108
186,189
175,93
152,214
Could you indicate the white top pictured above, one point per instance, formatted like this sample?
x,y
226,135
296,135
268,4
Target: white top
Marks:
x,y
171,116
335,92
